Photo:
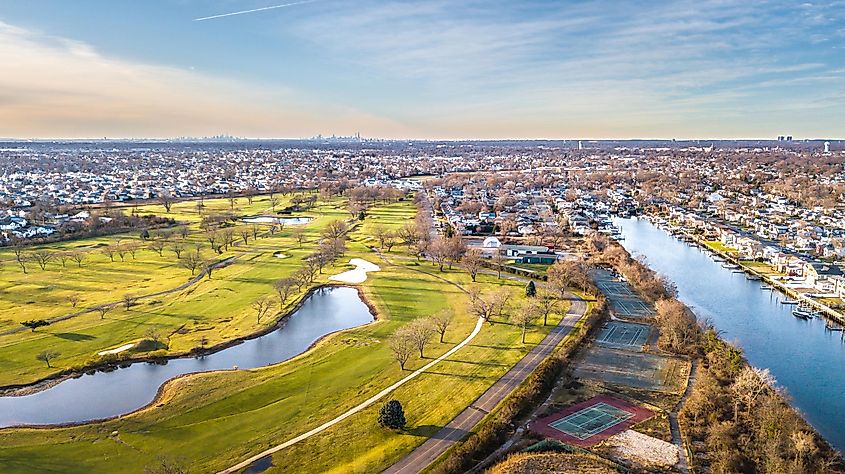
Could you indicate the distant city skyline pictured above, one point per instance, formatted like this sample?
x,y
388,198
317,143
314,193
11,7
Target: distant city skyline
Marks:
x,y
423,69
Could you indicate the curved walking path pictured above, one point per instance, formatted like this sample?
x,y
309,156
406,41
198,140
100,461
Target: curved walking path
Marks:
x,y
363,405
461,425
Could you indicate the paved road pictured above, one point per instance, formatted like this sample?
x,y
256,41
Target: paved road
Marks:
x,y
461,425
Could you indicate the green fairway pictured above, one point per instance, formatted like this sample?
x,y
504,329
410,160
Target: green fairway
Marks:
x,y
212,420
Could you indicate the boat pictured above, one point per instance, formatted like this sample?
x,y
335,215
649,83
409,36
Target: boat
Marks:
x,y
766,287
789,302
801,314
752,277
729,266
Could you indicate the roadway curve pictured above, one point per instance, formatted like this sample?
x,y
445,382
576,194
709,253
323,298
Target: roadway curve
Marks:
x,y
461,425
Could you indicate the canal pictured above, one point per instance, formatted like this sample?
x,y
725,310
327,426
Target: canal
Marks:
x,y
804,356
107,394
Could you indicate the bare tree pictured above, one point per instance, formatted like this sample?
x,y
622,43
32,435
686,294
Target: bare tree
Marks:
x,y
262,307
544,306
191,261
21,258
284,288
524,318
439,252
43,257
749,385
402,347
499,260
157,246
177,247
420,331
166,200
79,257
47,356
441,322
73,300
104,309
299,235
472,262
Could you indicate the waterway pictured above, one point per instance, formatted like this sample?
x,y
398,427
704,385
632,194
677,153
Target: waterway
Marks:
x,y
107,394
804,356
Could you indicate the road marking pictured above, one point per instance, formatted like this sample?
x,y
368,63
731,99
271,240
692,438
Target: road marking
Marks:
x,y
356,409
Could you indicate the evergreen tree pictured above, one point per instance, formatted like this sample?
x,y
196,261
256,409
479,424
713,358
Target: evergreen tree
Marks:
x,y
531,289
391,415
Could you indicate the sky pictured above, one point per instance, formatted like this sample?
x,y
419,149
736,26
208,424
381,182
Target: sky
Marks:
x,y
422,69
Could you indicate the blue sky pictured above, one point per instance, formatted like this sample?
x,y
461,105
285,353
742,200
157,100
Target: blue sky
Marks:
x,y
423,69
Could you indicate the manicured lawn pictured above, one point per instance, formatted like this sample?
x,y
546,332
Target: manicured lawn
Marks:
x,y
210,421
719,246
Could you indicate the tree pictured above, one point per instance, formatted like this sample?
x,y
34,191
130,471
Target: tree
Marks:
x,y
420,331
166,200
274,201
523,318
104,309
284,288
455,250
79,257
499,261
157,246
262,307
73,300
402,347
408,234
34,324
558,278
47,356
109,252
177,248
441,322
749,385
543,306
191,261
679,330
335,228
380,233
42,257
472,262
390,240
481,305
391,415
439,251
299,235
531,289
129,301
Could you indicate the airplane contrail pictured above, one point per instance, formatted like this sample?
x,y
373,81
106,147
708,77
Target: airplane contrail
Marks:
x,y
253,10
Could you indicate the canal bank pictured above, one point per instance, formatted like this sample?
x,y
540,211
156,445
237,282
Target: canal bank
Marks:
x,y
805,358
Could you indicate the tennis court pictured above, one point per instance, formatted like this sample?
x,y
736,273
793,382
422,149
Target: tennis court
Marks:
x,y
591,421
623,334
587,423
623,300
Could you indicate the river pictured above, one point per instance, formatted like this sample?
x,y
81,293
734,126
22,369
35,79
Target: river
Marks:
x,y
806,358
107,394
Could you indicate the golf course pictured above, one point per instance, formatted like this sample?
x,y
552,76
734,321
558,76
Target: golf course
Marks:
x,y
159,308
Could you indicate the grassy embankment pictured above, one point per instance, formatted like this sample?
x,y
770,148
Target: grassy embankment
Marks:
x,y
210,420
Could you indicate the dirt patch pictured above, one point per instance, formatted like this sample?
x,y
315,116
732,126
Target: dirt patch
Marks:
x,y
643,449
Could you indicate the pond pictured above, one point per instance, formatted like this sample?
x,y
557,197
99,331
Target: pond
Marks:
x,y
107,394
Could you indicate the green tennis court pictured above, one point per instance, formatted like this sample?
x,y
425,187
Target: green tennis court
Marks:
x,y
592,420
618,333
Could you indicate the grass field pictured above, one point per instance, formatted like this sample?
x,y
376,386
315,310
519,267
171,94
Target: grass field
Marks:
x,y
209,421
217,309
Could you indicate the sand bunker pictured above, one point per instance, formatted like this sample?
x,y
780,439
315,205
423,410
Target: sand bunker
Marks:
x,y
359,274
117,350
644,449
